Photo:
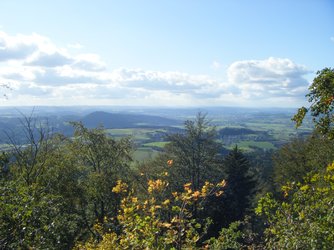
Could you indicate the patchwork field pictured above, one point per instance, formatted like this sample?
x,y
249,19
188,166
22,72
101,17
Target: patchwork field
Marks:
x,y
250,129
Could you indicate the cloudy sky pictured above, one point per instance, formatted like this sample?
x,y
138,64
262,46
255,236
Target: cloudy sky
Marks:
x,y
255,53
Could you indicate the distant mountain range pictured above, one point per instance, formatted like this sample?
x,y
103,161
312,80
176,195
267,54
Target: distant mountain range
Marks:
x,y
124,120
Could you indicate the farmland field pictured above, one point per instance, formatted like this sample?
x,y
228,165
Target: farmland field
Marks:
x,y
250,129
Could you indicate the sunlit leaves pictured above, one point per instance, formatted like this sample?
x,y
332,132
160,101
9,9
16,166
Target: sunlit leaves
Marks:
x,y
144,224
305,217
321,97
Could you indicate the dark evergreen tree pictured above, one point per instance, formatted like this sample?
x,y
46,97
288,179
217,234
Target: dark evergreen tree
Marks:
x,y
241,186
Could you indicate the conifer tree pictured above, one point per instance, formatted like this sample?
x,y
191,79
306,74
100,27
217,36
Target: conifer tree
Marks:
x,y
241,185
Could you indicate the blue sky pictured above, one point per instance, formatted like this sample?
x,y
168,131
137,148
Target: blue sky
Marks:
x,y
163,53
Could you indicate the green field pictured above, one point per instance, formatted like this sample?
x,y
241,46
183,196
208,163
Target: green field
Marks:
x,y
249,145
269,133
142,153
158,144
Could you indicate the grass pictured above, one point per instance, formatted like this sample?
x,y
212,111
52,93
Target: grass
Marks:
x,y
248,145
144,153
277,129
158,144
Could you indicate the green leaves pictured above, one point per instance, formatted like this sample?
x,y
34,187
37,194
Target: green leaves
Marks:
x,y
321,97
305,217
299,117
29,217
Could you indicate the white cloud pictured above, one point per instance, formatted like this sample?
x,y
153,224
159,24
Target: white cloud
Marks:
x,y
270,77
155,80
16,47
89,62
44,74
49,59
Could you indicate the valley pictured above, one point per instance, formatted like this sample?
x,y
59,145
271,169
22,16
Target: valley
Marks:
x,y
249,129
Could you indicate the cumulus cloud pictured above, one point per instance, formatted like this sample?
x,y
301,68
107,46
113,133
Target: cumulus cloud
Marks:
x,y
37,50
49,59
42,73
17,47
90,62
270,77
154,80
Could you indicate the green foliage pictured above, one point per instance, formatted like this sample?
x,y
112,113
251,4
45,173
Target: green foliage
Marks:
x,y
321,97
304,219
104,161
4,161
195,153
229,238
240,190
74,177
31,218
58,191
300,157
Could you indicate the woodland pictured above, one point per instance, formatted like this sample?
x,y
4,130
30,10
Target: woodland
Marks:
x,y
85,191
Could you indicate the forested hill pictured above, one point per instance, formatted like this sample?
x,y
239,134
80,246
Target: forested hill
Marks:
x,y
123,120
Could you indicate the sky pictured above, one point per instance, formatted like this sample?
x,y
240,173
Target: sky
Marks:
x,y
172,53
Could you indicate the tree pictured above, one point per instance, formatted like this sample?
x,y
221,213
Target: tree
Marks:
x,y
31,152
59,187
321,97
296,159
31,218
4,168
104,161
144,224
195,154
304,219
240,188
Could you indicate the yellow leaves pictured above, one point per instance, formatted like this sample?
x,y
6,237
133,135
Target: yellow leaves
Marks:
x,y
196,195
166,202
286,189
146,219
121,187
187,186
157,185
167,225
221,184
170,163
134,199
207,187
219,193
175,219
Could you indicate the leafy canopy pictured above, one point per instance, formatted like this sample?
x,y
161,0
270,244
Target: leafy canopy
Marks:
x,y
321,97
304,219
